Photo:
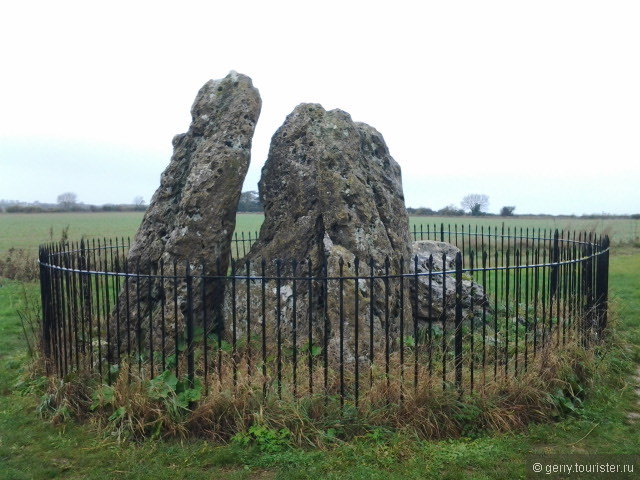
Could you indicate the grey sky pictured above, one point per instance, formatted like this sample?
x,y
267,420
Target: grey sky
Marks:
x,y
535,104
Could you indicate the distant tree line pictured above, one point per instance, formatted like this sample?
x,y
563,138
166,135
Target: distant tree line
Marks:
x,y
68,202
250,202
473,204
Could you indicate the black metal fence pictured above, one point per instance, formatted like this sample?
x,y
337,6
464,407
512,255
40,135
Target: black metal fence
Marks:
x,y
462,319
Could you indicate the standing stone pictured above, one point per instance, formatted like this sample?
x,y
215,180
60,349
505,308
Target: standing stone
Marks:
x,y
192,215
331,193
327,176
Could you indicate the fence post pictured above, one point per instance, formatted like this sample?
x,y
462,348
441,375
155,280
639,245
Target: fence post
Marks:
x,y
278,325
47,308
602,285
190,360
458,323
587,291
555,259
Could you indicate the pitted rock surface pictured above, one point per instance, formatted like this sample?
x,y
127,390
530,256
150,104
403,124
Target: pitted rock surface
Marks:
x,y
192,215
332,193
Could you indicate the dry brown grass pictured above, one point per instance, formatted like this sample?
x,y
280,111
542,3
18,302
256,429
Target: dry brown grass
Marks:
x,y
233,403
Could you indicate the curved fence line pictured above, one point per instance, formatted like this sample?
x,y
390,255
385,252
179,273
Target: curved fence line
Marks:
x,y
461,320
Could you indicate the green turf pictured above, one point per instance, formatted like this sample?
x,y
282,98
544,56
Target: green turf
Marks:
x,y
30,230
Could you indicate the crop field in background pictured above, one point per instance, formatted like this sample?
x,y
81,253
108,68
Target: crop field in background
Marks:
x,y
29,230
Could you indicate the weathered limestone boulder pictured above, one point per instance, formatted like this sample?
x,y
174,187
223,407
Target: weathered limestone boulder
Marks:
x,y
331,193
192,215
436,293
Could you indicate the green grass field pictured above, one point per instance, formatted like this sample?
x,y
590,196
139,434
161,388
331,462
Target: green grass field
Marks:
x,y
35,448
29,230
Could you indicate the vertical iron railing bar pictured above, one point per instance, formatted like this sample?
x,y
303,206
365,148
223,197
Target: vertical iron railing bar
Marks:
x,y
516,296
476,249
76,307
558,291
506,314
472,318
70,304
294,322
57,274
73,311
536,285
310,321
279,327
603,298
484,315
341,329
189,325
263,304
563,273
544,295
571,269
401,281
127,291
85,301
502,252
111,253
526,307
163,301
138,320
116,265
247,266
387,320
151,274
430,316
415,323
176,346
234,324
371,315
101,300
325,295
495,315
356,333
66,331
205,325
45,301
444,322
219,346
236,241
458,323
104,288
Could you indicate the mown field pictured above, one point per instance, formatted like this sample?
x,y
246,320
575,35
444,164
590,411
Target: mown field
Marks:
x,y
34,445
29,230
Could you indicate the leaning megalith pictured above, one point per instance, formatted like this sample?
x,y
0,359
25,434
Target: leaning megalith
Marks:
x,y
192,215
331,193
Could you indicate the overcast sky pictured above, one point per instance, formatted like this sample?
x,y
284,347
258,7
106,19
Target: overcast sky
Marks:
x,y
533,103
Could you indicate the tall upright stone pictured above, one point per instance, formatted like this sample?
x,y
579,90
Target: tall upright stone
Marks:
x,y
332,193
191,217
331,180
192,214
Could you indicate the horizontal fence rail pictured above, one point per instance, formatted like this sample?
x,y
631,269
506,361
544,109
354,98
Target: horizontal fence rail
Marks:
x,y
460,320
